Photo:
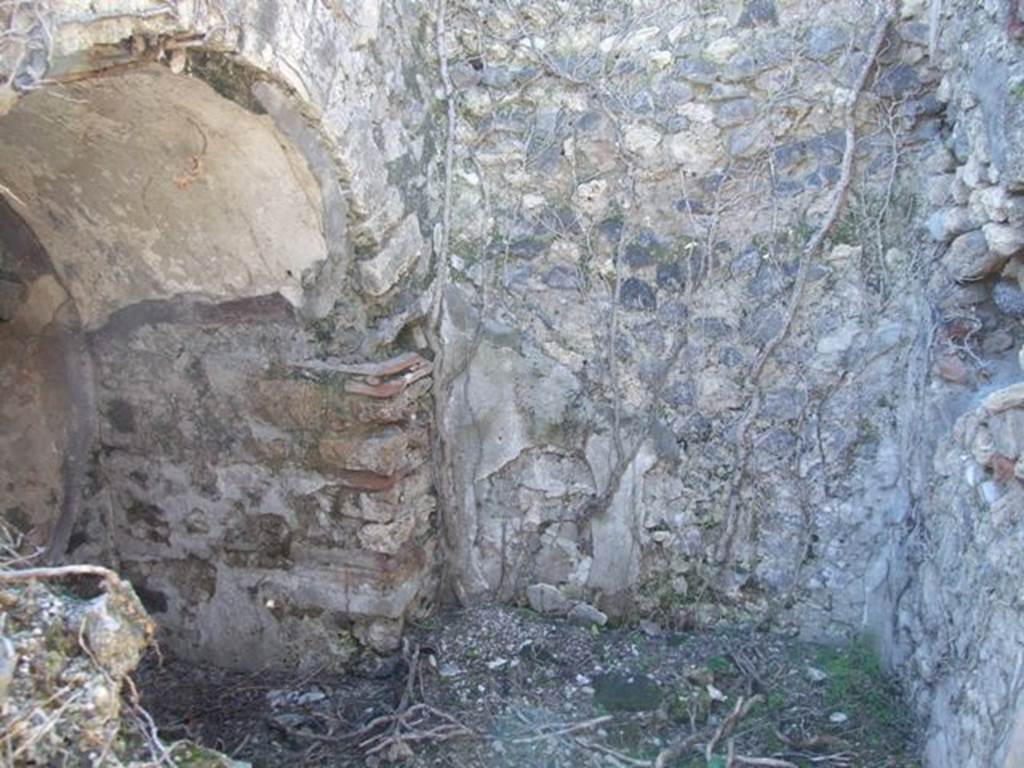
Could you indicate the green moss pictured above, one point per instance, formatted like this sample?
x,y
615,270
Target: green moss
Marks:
x,y
323,330
720,665
847,228
690,699
188,755
867,432
858,682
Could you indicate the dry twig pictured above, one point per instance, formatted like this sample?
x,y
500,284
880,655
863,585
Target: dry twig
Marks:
x,y
741,710
563,729
59,572
766,762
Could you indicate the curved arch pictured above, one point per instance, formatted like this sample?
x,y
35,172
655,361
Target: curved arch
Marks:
x,y
147,185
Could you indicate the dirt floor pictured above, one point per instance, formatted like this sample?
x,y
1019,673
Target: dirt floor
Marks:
x,y
506,687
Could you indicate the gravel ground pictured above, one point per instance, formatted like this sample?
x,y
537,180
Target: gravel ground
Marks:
x,y
502,687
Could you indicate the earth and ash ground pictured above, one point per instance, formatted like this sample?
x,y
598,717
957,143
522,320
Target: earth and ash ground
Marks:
x,y
507,687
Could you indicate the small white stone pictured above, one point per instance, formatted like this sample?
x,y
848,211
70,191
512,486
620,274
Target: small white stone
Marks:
x,y
532,201
816,675
974,474
1004,239
975,173
838,717
723,49
697,112
640,38
642,140
715,694
692,154
990,491
660,59
592,197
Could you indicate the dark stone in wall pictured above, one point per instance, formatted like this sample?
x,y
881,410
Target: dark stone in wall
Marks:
x,y
153,600
900,82
822,42
757,12
697,70
644,250
121,415
637,295
1009,298
563,278
670,276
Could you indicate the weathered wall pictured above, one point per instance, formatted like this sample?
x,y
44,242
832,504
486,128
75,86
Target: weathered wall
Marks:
x,y
650,394
959,625
38,351
258,474
649,177
265,507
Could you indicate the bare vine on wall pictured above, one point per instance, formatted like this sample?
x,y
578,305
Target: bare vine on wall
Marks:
x,y
735,512
26,37
443,465
741,198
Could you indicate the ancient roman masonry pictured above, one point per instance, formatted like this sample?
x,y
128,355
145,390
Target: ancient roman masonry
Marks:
x,y
314,314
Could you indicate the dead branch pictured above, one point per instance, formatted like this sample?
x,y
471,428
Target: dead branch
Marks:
x,y
837,759
449,163
741,710
5,190
448,500
413,726
563,729
614,754
767,762
409,723
61,572
814,743
674,751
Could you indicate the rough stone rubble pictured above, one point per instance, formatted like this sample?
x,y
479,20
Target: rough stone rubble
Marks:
x,y
68,642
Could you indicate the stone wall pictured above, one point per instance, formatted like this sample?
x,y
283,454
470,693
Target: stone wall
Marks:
x,y
650,393
246,252
38,357
269,508
959,620
649,177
